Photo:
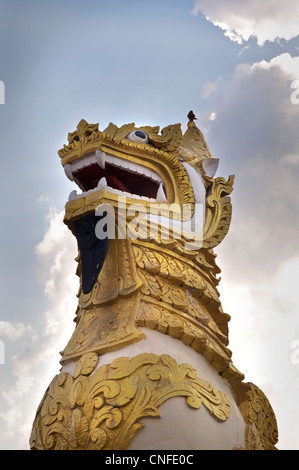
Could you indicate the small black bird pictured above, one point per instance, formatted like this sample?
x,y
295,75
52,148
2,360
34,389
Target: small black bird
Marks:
x,y
191,116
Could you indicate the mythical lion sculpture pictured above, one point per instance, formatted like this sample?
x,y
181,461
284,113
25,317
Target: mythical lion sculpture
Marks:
x,y
148,364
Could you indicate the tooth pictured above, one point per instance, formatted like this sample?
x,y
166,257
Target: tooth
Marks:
x,y
161,194
77,165
147,172
102,183
100,157
72,195
68,171
133,168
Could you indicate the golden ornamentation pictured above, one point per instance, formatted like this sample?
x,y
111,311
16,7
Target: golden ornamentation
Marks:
x,y
194,147
219,210
159,156
169,140
137,273
80,141
261,425
158,283
102,408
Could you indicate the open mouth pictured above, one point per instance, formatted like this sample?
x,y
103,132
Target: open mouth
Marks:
x,y
101,170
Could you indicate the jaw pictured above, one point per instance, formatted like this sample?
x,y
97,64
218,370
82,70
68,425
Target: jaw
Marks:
x,y
108,174
120,176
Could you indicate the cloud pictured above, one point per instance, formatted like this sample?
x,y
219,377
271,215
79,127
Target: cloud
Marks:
x,y
255,135
14,331
287,63
264,330
56,266
267,20
210,87
36,363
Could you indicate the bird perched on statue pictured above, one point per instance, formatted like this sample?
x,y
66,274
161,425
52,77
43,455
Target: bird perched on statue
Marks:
x,y
191,116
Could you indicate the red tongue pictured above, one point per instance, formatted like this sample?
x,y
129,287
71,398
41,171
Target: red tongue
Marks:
x,y
115,183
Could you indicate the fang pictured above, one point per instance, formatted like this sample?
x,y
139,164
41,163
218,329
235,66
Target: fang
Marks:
x,y
100,158
161,197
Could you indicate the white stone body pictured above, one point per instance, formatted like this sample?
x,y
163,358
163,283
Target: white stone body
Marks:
x,y
179,426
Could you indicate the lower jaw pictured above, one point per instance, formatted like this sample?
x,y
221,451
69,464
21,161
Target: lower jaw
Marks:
x,y
86,202
73,195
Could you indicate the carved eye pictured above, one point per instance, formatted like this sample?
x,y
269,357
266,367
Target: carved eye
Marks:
x,y
138,136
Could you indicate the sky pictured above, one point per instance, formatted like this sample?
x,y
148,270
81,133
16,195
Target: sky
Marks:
x,y
236,65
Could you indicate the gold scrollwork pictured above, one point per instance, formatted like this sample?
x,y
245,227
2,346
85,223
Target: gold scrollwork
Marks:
x,y
261,426
219,211
101,408
161,285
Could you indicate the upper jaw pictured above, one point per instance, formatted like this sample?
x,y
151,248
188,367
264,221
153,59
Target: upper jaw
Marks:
x,y
120,176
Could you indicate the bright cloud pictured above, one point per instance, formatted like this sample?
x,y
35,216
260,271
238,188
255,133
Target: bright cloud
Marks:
x,y
287,63
240,19
255,135
264,338
35,364
256,131
56,266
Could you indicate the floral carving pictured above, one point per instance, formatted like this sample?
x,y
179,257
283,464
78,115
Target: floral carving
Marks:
x,y
261,425
159,284
101,408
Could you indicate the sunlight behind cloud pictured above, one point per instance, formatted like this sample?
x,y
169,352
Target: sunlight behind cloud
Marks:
x,y
267,20
36,363
262,335
255,137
